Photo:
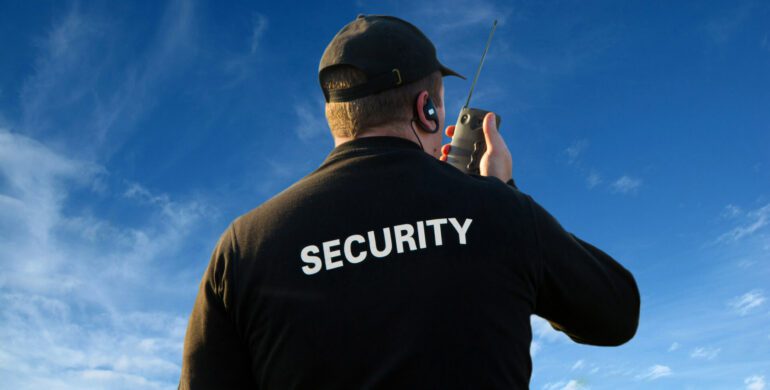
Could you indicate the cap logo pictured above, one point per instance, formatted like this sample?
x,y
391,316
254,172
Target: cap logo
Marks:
x,y
398,75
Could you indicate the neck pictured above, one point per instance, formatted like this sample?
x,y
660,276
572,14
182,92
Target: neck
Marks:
x,y
401,130
394,130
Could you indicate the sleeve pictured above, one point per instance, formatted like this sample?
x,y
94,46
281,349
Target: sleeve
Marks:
x,y
214,355
582,291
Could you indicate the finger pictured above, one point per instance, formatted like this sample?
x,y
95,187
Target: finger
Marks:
x,y
442,157
445,149
491,136
450,131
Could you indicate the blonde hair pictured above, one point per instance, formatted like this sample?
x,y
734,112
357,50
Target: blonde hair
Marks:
x,y
350,119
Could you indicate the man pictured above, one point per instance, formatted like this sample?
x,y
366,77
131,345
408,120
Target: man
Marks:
x,y
386,267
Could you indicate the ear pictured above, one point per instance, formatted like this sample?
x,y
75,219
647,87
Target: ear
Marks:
x,y
427,124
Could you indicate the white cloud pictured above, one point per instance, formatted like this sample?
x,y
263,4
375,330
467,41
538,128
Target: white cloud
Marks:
x,y
729,22
707,353
626,184
30,206
81,285
755,382
575,150
731,211
747,302
543,331
755,220
64,322
746,263
593,179
655,372
311,121
534,348
562,385
476,13
51,343
554,385
578,365
243,64
79,88
260,25
673,347
575,385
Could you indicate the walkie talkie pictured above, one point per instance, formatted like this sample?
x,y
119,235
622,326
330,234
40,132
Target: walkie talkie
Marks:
x,y
468,143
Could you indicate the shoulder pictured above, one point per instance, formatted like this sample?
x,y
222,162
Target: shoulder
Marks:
x,y
257,223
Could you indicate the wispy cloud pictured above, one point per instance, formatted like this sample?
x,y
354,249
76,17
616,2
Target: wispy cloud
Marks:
x,y
260,26
626,185
68,320
30,205
593,179
582,47
459,40
673,347
575,385
724,27
747,302
564,385
311,121
542,334
754,221
755,382
79,87
241,64
49,342
542,330
655,372
534,348
475,13
574,151
707,353
578,365
71,318
731,211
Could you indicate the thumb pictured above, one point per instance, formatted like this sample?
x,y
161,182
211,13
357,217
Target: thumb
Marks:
x,y
491,135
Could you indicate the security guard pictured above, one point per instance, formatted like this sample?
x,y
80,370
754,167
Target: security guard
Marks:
x,y
386,267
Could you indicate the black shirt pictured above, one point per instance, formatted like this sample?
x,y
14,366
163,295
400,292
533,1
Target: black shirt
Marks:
x,y
386,268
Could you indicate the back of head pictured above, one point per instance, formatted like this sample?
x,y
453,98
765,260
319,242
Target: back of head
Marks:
x,y
392,106
372,72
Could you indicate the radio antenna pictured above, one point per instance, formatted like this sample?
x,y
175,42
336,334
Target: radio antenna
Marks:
x,y
476,78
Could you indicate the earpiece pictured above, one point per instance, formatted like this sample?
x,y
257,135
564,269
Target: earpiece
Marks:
x,y
430,113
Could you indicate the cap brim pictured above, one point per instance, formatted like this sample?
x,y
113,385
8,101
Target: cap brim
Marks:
x,y
449,72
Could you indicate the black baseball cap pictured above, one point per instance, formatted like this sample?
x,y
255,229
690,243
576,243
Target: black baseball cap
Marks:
x,y
390,51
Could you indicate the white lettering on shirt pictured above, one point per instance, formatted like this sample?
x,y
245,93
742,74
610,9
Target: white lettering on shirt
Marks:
x,y
381,246
330,254
349,254
436,223
404,234
373,243
421,234
307,258
461,230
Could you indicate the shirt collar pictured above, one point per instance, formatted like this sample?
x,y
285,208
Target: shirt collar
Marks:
x,y
374,143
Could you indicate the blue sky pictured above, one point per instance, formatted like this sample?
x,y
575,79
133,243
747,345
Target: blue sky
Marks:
x,y
131,134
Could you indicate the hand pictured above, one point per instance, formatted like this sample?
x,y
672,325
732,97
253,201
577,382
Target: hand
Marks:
x,y
497,160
